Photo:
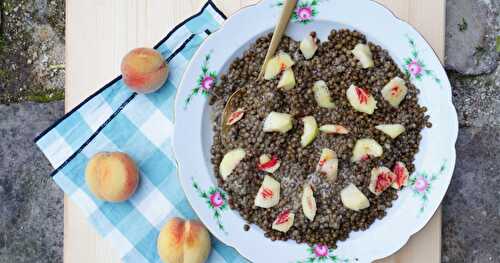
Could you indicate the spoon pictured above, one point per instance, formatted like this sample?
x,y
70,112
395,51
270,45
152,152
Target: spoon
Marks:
x,y
279,31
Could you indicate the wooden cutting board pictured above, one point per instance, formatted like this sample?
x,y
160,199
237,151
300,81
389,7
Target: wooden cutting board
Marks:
x,y
100,32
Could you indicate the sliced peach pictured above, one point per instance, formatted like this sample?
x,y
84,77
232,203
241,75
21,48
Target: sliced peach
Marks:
x,y
309,45
381,178
308,202
269,164
272,68
285,60
284,221
278,122
333,129
353,198
268,194
322,95
393,130
366,148
363,53
395,91
287,80
235,116
310,131
230,161
328,164
402,175
361,100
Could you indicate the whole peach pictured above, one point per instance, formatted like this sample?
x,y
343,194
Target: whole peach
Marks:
x,y
112,176
183,241
144,70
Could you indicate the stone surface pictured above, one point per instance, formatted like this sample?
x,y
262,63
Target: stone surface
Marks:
x,y
32,47
31,50
471,30
471,209
477,99
31,204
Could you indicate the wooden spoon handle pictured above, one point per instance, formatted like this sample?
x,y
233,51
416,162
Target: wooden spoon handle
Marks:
x,y
279,30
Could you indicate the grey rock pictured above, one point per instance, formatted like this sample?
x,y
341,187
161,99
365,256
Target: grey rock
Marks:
x,y
477,99
471,211
471,30
31,204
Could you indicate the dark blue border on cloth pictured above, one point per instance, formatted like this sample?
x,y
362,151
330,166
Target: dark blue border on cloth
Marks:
x,y
208,3
118,110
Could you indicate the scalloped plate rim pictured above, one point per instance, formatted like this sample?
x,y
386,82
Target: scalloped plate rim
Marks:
x,y
454,131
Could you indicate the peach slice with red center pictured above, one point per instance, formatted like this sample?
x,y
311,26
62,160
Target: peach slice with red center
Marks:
x,y
361,100
308,202
402,175
284,221
333,129
277,64
268,164
268,194
230,161
381,178
328,164
363,53
395,91
235,116
366,148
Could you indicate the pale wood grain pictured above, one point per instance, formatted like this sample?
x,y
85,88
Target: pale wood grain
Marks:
x,y
100,32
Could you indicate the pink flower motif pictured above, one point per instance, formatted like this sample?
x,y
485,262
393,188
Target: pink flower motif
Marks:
x,y
415,68
421,184
321,250
207,82
304,13
216,200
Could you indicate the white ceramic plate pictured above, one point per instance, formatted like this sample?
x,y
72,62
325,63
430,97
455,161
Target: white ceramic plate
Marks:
x,y
434,162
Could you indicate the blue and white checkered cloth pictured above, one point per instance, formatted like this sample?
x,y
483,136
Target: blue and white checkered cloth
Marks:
x,y
116,119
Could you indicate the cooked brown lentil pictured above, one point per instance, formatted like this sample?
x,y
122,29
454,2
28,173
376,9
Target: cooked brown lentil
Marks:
x,y
334,64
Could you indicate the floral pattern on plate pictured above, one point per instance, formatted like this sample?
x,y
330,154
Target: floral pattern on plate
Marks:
x,y
421,184
321,253
205,82
305,11
216,200
414,66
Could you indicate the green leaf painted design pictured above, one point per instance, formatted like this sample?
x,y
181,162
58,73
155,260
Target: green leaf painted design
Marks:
x,y
205,81
216,200
321,253
421,184
305,10
414,67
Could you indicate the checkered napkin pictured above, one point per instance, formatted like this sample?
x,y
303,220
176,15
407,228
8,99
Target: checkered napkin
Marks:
x,y
116,119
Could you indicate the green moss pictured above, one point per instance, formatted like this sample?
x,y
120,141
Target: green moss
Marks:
x,y
45,96
7,6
